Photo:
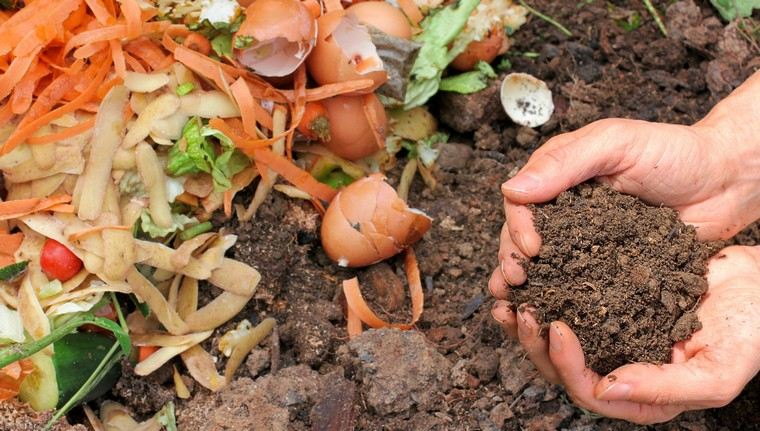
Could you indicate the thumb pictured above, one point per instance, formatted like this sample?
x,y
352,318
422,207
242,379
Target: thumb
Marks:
x,y
568,160
694,383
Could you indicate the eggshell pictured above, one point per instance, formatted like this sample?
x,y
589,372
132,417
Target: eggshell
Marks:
x,y
526,100
284,33
367,222
384,17
351,133
344,52
481,50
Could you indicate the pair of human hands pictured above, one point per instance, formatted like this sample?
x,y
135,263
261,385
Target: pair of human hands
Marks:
x,y
701,172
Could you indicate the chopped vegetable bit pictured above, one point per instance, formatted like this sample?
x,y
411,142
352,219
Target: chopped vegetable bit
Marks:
x,y
13,271
51,289
195,153
11,327
219,11
242,42
196,230
185,88
230,339
469,82
423,150
179,221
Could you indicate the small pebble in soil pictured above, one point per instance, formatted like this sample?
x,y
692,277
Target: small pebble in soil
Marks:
x,y
625,276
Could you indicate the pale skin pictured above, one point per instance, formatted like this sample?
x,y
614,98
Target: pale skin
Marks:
x,y
710,173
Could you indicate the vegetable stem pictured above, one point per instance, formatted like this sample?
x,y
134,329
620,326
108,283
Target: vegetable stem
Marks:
x,y
650,7
548,19
196,230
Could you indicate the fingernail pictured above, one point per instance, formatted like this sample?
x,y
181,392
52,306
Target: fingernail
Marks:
x,y
499,309
503,273
615,392
525,327
519,239
522,183
555,340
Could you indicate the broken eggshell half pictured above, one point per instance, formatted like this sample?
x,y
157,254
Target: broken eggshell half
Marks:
x,y
526,99
367,222
278,36
357,125
345,52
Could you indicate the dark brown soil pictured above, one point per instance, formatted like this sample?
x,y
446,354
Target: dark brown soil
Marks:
x,y
626,276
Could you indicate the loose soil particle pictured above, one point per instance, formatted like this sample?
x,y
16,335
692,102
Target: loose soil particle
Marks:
x,y
626,276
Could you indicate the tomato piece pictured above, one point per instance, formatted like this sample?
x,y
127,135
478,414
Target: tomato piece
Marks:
x,y
145,351
59,262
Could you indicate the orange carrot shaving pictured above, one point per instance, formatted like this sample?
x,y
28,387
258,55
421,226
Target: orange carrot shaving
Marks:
x,y
131,11
410,9
21,134
332,5
205,66
22,96
144,352
134,64
28,19
107,86
119,62
6,113
21,207
99,10
228,196
246,104
11,377
15,73
63,134
361,311
147,51
197,42
245,145
295,175
6,260
84,232
62,208
87,51
10,242
353,323
330,90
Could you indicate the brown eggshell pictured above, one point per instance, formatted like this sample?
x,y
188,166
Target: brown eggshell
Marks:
x,y
351,133
269,19
328,64
384,17
284,33
481,50
367,222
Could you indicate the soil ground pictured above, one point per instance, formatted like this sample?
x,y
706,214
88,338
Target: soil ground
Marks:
x,y
456,371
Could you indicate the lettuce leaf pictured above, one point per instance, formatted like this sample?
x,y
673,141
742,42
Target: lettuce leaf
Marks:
x,y
730,9
179,221
439,30
469,82
196,153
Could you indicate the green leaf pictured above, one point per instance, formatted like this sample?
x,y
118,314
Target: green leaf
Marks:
x,y
192,154
179,221
196,230
13,271
222,45
439,30
76,357
469,82
167,418
337,179
185,88
242,42
730,9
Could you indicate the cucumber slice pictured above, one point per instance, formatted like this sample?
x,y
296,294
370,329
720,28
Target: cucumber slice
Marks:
x,y
76,357
40,389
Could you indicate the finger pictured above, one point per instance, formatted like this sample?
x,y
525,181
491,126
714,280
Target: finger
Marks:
x,y
511,260
522,231
567,356
596,149
537,346
503,312
694,383
497,285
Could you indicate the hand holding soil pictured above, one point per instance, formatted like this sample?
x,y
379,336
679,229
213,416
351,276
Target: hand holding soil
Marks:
x,y
705,173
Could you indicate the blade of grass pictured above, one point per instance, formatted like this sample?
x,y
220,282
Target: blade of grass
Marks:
x,y
548,19
652,11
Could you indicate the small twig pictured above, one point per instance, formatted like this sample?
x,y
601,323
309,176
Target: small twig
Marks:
x,y
548,19
650,7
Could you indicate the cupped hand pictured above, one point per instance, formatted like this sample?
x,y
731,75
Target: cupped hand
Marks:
x,y
708,370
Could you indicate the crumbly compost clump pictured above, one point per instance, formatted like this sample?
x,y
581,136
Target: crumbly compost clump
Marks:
x,y
624,275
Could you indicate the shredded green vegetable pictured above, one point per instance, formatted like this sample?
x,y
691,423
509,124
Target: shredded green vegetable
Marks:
x,y
185,88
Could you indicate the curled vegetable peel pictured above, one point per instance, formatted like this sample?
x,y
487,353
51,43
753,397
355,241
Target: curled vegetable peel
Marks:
x,y
367,222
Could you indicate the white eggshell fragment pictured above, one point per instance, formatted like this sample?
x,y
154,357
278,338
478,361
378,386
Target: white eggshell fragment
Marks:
x,y
526,99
